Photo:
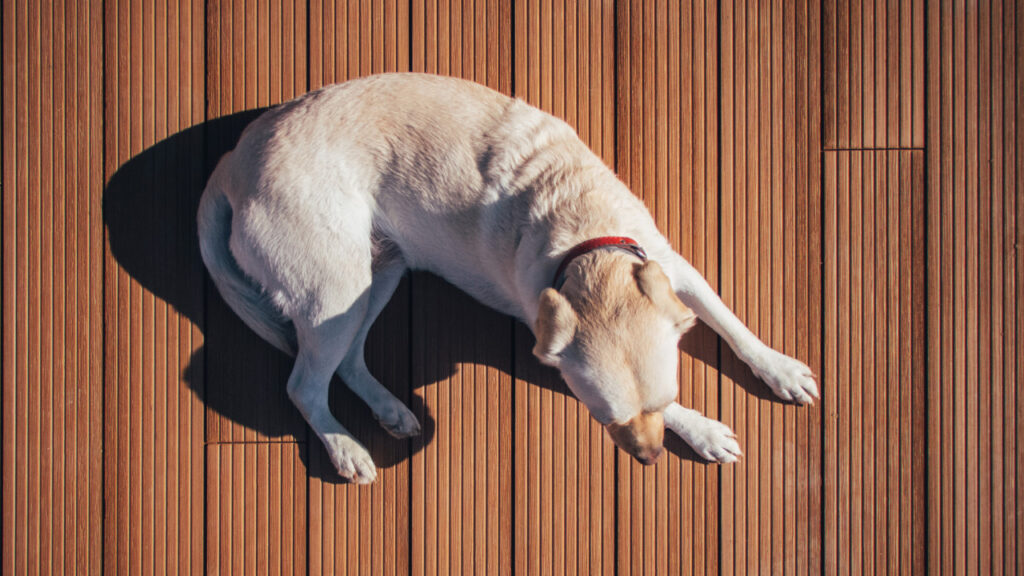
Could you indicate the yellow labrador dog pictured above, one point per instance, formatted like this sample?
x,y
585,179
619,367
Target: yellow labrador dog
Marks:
x,y
309,223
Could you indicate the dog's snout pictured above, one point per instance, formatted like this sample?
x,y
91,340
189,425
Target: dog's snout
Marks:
x,y
649,457
641,437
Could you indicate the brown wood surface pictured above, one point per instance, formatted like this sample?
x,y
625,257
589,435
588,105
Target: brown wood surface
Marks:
x,y
874,204
846,173
153,473
770,275
353,528
874,68
564,464
974,202
667,154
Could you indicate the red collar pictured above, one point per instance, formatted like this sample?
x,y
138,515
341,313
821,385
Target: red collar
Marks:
x,y
618,242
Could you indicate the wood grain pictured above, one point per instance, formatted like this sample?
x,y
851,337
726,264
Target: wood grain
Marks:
x,y
52,306
846,173
770,275
874,74
255,57
666,117
256,513
362,530
461,486
873,201
564,462
973,201
153,289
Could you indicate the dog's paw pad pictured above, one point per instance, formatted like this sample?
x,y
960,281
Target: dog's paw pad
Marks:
x,y
789,378
351,460
398,420
713,441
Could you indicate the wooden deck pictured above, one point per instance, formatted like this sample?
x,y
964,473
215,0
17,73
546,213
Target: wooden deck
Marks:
x,y
847,173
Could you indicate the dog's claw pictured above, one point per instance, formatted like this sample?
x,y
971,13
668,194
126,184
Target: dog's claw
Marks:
x,y
350,459
712,440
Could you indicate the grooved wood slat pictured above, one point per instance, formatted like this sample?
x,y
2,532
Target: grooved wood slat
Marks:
x,y
52,315
875,387
462,353
363,529
153,289
564,461
667,153
974,196
255,57
256,512
771,277
874,73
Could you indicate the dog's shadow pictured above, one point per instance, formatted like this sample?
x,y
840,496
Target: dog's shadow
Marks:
x,y
149,209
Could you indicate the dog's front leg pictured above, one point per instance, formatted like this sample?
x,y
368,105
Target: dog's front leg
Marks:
x,y
711,439
789,378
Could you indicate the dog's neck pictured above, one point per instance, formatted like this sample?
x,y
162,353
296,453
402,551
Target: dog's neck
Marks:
x,y
622,243
611,210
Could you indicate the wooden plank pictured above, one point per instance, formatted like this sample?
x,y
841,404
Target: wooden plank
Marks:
x,y
770,238
564,479
363,529
153,288
52,392
973,76
886,281
462,353
667,80
874,74
256,513
463,394
238,80
255,57
1013,150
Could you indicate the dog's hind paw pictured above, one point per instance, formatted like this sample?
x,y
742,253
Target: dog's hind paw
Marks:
x,y
350,459
789,378
398,420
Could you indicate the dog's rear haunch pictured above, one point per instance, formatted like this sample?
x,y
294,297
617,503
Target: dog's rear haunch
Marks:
x,y
308,225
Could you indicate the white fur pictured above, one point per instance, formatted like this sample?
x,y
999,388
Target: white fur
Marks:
x,y
330,197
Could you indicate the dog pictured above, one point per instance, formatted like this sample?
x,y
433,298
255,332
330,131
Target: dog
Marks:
x,y
308,225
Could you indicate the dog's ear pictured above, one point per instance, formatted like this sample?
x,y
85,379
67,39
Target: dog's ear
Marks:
x,y
556,326
656,286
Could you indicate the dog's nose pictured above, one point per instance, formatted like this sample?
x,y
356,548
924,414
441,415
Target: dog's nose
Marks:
x,y
649,457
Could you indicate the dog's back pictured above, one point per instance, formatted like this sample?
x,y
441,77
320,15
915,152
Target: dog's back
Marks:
x,y
421,162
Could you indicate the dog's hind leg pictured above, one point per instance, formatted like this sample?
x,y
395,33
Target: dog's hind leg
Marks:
x,y
322,345
390,412
789,378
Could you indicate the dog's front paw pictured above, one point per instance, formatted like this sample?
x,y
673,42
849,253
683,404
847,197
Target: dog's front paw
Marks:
x,y
398,420
789,378
712,440
350,459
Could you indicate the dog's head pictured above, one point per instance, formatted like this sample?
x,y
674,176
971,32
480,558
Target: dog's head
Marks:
x,y
613,332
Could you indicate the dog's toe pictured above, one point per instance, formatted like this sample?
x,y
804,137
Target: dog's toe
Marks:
x,y
789,378
713,441
351,460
